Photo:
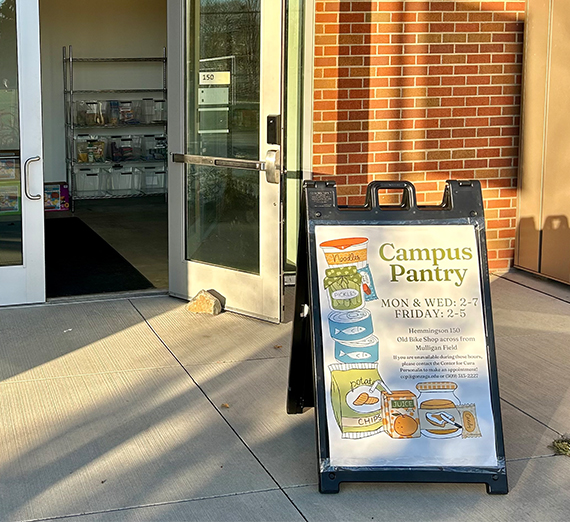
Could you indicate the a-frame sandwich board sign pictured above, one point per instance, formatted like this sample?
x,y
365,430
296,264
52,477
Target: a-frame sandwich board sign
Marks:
x,y
393,340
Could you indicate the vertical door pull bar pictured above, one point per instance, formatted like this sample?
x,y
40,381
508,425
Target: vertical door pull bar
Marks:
x,y
27,179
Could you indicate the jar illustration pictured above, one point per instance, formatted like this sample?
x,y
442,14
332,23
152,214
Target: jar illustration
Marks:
x,y
439,416
351,251
344,288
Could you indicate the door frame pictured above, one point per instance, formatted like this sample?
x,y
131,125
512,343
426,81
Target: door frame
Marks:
x,y
25,283
251,294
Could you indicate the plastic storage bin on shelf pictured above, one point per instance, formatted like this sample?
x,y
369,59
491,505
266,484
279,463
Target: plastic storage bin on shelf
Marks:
x,y
91,182
125,182
124,148
153,180
90,149
154,147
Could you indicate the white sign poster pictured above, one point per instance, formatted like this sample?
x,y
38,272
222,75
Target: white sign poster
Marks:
x,y
404,347
215,78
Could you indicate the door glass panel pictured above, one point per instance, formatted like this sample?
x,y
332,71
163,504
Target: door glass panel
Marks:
x,y
10,192
222,110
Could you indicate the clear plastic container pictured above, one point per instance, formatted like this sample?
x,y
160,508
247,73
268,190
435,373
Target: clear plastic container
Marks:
x,y
80,113
137,111
159,111
126,115
114,112
90,149
126,145
137,147
147,147
115,154
160,148
125,181
153,180
91,182
94,113
147,110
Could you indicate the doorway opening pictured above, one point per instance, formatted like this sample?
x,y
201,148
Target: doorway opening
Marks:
x,y
105,145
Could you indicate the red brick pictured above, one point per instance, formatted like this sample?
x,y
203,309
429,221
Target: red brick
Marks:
x,y
400,167
467,28
417,6
452,122
427,80
476,122
498,163
488,131
382,6
452,144
426,124
425,165
476,164
464,133
462,111
476,142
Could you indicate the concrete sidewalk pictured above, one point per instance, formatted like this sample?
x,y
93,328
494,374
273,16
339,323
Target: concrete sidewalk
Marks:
x,y
135,410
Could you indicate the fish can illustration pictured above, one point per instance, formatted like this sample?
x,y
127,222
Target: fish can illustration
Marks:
x,y
363,350
350,326
344,288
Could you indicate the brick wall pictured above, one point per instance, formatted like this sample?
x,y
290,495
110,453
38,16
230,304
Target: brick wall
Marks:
x,y
424,92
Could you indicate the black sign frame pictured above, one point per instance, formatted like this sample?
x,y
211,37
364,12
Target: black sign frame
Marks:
x,y
462,204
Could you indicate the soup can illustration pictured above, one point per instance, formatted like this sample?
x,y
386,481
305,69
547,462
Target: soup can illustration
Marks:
x,y
343,285
351,251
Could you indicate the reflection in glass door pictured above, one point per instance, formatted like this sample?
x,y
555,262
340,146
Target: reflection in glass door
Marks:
x,y
223,203
21,178
10,185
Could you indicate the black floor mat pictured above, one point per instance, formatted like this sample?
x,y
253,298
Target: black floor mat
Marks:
x,y
80,262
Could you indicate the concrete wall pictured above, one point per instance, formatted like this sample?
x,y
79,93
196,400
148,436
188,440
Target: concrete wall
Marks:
x,y
105,28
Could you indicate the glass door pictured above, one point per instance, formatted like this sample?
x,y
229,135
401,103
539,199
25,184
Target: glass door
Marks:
x,y
22,277
224,131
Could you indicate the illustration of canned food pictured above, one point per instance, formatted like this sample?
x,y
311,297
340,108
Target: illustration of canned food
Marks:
x,y
350,326
344,288
363,350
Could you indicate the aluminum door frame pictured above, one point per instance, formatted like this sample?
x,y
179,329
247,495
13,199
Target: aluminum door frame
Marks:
x,y
254,295
25,284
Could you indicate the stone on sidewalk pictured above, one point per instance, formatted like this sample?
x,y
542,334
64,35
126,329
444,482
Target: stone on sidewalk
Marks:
x,y
205,303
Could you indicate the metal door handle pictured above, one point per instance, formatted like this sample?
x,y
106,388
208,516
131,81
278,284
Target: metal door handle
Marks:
x,y
272,171
270,165
27,178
